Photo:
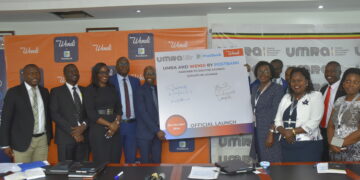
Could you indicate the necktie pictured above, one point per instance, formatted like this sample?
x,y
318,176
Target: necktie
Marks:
x,y
155,97
326,105
77,100
127,100
35,110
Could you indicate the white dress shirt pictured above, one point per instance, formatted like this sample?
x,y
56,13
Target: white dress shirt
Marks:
x,y
122,93
309,110
41,109
334,88
70,87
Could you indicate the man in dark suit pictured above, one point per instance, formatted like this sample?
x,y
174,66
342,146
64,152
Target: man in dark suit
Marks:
x,y
148,135
331,92
68,112
126,86
278,66
25,129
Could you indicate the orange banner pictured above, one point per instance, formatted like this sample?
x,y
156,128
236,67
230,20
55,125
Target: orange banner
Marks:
x,y
51,52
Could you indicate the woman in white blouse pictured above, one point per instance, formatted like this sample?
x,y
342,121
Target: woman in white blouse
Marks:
x,y
298,118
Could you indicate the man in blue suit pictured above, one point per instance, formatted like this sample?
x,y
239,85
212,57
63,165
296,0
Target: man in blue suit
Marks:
x,y
126,86
148,135
278,66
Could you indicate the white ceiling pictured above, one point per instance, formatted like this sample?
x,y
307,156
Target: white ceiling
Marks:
x,y
39,10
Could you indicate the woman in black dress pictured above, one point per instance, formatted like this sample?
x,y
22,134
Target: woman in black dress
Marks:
x,y
104,111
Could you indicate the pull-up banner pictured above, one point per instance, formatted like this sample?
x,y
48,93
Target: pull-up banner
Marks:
x,y
203,93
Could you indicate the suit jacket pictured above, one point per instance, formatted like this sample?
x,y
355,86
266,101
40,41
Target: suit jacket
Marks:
x,y
134,82
17,119
63,112
147,113
338,94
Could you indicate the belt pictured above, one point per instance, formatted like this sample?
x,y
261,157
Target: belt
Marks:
x,y
128,120
38,135
106,111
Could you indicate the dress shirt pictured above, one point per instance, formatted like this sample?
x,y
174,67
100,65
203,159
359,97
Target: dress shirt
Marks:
x,y
70,87
278,81
310,109
334,88
122,96
41,109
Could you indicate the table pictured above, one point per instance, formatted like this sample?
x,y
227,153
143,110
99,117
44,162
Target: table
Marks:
x,y
277,171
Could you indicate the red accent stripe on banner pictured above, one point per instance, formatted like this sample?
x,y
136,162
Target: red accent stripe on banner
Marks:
x,y
286,38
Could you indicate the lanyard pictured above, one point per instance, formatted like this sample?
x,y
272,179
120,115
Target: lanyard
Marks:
x,y
293,107
257,97
342,109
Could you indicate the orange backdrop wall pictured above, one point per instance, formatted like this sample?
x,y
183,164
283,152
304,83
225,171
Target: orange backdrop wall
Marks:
x,y
104,47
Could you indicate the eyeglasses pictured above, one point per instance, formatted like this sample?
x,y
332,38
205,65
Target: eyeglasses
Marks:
x,y
263,72
104,72
348,82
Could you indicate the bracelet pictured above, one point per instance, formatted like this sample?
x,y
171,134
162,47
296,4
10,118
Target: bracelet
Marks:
x,y
293,131
271,130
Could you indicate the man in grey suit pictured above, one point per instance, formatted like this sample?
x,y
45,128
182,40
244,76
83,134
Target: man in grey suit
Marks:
x,y
25,129
68,112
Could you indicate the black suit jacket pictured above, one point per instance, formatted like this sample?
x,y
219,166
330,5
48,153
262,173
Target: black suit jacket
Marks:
x,y
63,112
338,94
17,119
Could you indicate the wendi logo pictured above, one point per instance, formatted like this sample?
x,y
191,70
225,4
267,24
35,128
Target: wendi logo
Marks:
x,y
66,49
233,52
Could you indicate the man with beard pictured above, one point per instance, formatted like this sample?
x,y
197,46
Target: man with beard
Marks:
x,y
331,92
68,112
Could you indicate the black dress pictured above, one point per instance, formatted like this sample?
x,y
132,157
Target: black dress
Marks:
x,y
102,98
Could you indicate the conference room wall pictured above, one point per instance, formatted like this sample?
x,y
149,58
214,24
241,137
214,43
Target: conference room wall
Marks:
x,y
70,26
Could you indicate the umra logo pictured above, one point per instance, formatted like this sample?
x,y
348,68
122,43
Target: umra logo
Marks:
x,y
308,51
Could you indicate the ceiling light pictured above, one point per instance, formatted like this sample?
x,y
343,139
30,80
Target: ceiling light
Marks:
x,y
138,11
229,8
321,6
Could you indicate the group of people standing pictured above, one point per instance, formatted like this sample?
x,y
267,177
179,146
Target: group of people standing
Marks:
x,y
292,121
295,123
110,115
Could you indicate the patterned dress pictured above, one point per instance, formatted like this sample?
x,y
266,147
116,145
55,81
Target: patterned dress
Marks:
x,y
348,124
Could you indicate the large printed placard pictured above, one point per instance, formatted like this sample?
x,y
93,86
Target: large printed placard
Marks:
x,y
203,93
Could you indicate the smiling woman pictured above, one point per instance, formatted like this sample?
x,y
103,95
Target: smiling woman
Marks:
x,y
103,108
298,119
343,129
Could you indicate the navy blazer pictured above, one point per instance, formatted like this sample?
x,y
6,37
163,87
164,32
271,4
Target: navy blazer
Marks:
x,y
285,84
134,82
147,113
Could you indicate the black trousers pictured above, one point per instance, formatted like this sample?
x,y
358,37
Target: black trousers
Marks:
x,y
325,154
74,151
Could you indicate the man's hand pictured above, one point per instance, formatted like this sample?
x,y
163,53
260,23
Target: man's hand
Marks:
x,y
79,138
8,151
161,135
78,130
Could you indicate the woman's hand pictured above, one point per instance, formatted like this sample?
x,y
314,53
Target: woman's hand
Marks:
x,y
269,140
335,148
289,136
